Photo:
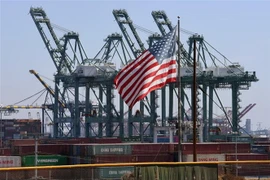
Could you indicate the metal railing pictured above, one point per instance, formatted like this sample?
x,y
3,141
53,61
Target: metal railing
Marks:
x,y
143,171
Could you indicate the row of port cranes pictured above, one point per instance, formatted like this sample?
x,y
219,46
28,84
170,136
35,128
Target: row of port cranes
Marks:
x,y
101,112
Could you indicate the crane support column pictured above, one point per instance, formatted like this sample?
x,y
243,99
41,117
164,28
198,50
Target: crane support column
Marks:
x,y
163,106
210,116
87,110
153,111
182,104
130,123
76,120
100,111
205,124
109,123
171,101
235,106
55,109
43,121
121,121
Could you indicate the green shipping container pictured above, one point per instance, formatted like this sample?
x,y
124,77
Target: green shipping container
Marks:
x,y
109,149
44,160
114,172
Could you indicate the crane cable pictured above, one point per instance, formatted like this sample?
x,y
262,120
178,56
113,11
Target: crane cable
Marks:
x,y
152,32
30,97
61,28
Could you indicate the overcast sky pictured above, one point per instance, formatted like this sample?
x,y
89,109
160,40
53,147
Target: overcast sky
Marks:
x,y
237,29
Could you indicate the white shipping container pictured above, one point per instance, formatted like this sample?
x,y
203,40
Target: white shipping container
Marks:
x,y
10,161
204,157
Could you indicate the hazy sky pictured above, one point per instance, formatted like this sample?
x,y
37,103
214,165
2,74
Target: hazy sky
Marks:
x,y
238,29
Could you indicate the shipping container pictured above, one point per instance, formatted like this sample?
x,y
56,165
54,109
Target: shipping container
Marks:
x,y
104,149
265,149
5,152
19,142
214,148
44,160
107,140
230,147
202,148
113,172
68,141
153,158
23,150
43,149
204,157
10,161
79,160
112,159
150,148
246,156
255,170
74,160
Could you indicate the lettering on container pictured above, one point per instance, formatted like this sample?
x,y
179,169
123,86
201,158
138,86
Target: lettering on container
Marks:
x,y
6,162
47,160
112,149
207,159
116,172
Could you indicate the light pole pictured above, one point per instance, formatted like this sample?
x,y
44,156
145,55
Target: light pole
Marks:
x,y
36,156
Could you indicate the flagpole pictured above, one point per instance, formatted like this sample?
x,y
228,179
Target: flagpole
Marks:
x,y
194,105
179,98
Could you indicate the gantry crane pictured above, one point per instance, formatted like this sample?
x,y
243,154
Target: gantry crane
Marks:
x,y
66,54
225,75
114,47
124,21
165,25
73,77
206,78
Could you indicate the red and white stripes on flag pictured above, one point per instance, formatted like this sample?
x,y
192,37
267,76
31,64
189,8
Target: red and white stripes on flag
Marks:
x,y
144,75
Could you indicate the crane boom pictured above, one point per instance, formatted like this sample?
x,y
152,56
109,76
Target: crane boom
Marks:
x,y
39,16
162,21
243,113
48,88
123,18
23,107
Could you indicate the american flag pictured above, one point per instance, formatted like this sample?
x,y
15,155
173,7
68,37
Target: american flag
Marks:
x,y
152,70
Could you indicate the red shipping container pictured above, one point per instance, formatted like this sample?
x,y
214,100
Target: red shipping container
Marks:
x,y
231,147
214,148
112,159
150,148
246,157
5,152
202,148
44,149
107,140
23,150
79,149
153,158
70,141
61,149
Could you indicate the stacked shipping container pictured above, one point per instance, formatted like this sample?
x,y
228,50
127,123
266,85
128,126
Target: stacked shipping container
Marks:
x,y
87,150
119,153
18,128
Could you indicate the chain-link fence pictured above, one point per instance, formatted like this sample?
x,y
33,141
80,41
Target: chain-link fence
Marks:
x,y
225,170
